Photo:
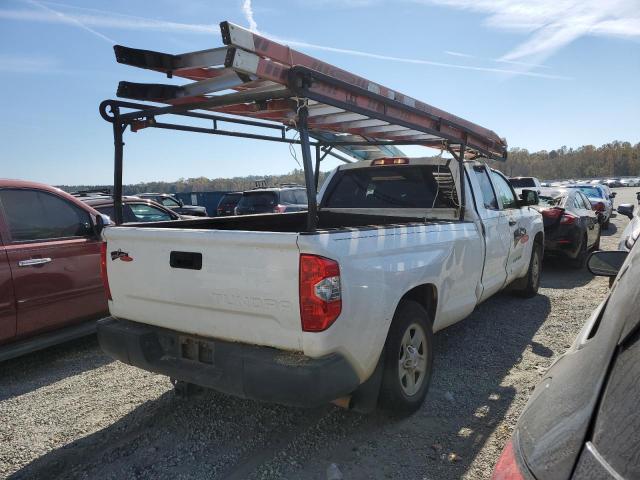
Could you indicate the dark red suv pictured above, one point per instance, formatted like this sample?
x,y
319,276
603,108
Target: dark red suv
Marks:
x,y
50,282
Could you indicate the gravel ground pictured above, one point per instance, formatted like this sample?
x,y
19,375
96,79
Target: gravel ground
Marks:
x,y
72,412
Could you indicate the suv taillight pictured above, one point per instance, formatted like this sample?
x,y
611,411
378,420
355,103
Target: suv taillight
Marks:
x,y
320,293
552,213
598,206
279,209
103,269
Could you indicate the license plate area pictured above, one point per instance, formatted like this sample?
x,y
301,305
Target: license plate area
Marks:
x,y
196,350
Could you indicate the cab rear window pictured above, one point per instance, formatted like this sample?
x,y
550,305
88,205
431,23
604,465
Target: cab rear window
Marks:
x,y
420,186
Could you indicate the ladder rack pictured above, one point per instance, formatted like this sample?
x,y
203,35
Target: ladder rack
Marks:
x,y
254,81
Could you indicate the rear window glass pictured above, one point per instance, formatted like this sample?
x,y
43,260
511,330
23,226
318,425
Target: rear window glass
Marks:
x,y
547,201
287,196
522,182
301,196
393,187
258,199
589,191
230,199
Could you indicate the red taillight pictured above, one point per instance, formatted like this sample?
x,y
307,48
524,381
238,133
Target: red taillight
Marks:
x,y
552,213
279,209
568,219
598,206
390,161
103,269
507,467
320,293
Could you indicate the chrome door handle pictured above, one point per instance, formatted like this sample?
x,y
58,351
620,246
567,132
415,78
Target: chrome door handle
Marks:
x,y
33,261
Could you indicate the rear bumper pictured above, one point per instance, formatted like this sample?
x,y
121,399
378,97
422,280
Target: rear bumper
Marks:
x,y
246,371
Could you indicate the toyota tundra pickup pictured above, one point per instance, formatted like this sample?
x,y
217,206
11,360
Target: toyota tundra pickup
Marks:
x,y
258,307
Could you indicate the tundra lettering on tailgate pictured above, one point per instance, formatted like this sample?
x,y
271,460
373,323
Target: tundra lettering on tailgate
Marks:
x,y
250,301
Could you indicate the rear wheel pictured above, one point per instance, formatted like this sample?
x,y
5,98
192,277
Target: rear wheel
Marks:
x,y
605,225
581,259
408,359
596,246
532,279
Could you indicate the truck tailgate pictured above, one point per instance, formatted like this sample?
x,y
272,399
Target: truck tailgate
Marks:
x,y
245,290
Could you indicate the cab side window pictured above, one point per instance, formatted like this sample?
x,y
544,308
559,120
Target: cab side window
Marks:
x,y
34,215
488,195
504,191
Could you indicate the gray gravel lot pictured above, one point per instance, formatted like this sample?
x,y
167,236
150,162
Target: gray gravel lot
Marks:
x,y
72,412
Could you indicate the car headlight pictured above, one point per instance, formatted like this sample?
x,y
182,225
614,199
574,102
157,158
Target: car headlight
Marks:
x,y
631,239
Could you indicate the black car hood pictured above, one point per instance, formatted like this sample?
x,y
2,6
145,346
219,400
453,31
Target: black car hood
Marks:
x,y
553,427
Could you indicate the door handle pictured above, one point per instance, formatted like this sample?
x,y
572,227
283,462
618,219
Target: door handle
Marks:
x,y
512,223
33,261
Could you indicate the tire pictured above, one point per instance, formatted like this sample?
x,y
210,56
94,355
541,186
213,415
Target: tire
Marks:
x,y
531,282
579,262
605,225
411,327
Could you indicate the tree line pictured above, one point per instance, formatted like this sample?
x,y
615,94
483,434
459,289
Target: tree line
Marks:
x,y
615,159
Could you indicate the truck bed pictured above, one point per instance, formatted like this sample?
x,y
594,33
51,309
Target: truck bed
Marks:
x,y
288,222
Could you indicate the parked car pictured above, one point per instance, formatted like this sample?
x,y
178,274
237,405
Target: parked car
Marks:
x,y
228,203
51,290
571,227
612,183
582,421
269,311
134,209
519,183
287,198
631,232
169,201
601,200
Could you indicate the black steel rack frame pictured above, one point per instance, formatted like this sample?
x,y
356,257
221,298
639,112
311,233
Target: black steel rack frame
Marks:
x,y
253,81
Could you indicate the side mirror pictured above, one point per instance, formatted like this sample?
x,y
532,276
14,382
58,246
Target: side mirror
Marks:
x,y
638,196
101,222
606,263
626,209
613,195
529,197
180,202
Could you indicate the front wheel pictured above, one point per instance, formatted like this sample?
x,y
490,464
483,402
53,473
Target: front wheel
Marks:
x,y
408,359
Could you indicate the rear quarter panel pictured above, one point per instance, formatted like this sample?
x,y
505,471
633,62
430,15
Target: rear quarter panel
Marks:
x,y
378,266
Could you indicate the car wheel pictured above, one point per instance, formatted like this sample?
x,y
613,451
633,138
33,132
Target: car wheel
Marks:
x,y
408,359
605,225
581,259
532,279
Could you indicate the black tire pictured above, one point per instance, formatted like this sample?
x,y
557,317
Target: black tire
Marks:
x,y
531,282
579,262
605,225
393,390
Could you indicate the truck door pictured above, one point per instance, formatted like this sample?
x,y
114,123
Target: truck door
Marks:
x,y
496,234
516,224
54,259
7,299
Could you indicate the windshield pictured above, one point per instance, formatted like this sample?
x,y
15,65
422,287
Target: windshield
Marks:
x,y
588,191
522,182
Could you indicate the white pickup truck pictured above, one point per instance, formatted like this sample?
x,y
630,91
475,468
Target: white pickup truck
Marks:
x,y
256,307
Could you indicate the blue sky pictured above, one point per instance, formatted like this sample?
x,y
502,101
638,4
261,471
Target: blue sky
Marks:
x,y
542,73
